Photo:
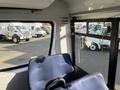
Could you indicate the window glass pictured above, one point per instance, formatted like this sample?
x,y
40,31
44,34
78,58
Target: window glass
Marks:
x,y
20,41
91,56
92,53
80,27
100,28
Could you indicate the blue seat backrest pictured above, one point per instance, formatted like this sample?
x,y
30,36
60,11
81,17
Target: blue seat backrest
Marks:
x,y
47,68
90,82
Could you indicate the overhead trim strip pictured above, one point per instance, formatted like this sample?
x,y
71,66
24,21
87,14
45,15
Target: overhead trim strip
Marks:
x,y
116,8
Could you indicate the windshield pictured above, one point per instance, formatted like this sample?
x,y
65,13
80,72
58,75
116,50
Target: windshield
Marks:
x,y
38,29
20,27
43,28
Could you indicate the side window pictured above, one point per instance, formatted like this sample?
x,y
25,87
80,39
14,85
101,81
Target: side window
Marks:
x,y
17,49
81,27
10,28
92,45
100,28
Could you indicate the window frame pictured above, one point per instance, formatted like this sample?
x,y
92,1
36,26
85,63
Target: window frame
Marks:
x,y
113,46
29,21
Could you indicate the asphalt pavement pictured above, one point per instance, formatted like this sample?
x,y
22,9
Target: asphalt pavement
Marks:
x,y
96,61
17,54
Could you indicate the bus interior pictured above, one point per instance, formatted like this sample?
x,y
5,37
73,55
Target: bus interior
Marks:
x,y
83,33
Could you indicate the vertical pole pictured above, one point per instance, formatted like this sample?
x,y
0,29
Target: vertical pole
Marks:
x,y
52,40
73,40
87,28
113,54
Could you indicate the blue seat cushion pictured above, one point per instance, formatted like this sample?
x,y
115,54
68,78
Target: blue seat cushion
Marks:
x,y
89,82
47,68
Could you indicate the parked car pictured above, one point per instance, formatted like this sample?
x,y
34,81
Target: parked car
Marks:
x,y
97,43
45,29
15,33
38,32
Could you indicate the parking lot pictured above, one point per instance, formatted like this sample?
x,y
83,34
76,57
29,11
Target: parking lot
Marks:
x,y
16,54
96,61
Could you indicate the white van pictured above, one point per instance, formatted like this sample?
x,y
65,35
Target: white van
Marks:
x,y
97,43
38,32
15,33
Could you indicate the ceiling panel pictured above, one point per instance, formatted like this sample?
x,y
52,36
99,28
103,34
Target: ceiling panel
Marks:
x,y
99,15
88,5
34,4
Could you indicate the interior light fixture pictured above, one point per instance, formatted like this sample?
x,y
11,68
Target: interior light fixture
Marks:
x,y
90,8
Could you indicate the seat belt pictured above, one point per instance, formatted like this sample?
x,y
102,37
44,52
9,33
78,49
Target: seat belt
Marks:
x,y
63,81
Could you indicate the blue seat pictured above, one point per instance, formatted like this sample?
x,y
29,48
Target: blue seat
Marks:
x,y
45,69
89,82
42,70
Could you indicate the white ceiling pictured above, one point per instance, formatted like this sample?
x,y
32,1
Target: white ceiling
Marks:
x,y
34,4
94,8
87,5
74,6
99,15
